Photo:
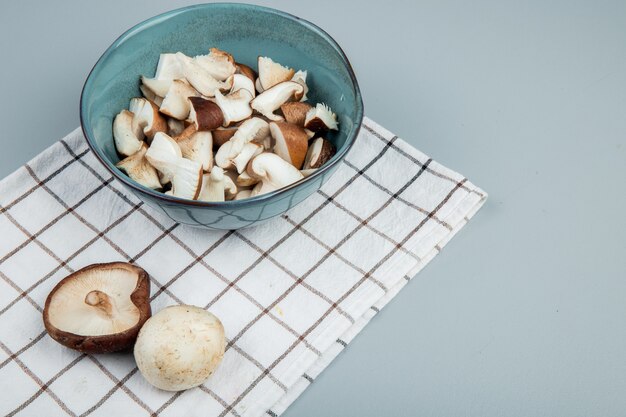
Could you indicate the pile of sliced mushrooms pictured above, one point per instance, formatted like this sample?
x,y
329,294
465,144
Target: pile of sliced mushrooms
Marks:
x,y
208,128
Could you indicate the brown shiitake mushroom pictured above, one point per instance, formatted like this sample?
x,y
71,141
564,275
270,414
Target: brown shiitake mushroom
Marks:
x,y
295,112
99,308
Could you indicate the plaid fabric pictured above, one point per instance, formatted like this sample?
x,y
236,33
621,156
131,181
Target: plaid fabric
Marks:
x,y
292,293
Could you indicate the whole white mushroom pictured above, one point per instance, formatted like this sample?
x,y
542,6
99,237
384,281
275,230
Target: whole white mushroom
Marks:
x,y
179,347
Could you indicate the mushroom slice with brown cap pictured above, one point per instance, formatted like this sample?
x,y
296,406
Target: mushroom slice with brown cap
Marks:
x,y
176,103
204,114
253,129
270,100
273,171
99,308
198,76
128,135
187,179
249,151
245,70
196,146
240,81
235,106
291,142
300,78
320,118
147,116
221,135
139,169
272,73
219,64
320,152
295,112
163,154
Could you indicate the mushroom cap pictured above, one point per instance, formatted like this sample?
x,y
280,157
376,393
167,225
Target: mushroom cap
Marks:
x,y
128,136
99,308
139,169
271,99
179,347
175,103
205,114
291,142
295,112
320,118
235,106
273,171
320,152
272,73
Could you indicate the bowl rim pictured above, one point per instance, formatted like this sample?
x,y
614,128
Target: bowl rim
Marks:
x,y
338,157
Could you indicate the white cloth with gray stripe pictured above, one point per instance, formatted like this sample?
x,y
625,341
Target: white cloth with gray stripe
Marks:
x,y
292,292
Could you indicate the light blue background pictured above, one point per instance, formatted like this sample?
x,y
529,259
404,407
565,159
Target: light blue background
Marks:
x,y
524,313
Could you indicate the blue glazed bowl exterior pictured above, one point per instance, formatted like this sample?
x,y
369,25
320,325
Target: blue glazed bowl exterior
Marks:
x,y
246,31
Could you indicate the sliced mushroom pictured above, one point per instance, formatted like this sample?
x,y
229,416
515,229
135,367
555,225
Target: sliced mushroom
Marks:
x,y
240,81
139,169
295,112
291,142
168,68
221,135
187,179
213,186
243,194
258,86
249,151
147,116
163,154
99,308
199,77
176,103
307,172
204,114
158,87
150,95
128,136
230,188
320,152
320,118
246,70
219,64
273,171
196,146
253,129
272,73
235,106
270,100
300,78
174,126
245,180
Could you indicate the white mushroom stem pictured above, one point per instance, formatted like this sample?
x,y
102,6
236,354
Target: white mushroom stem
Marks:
x,y
213,186
199,77
240,81
128,136
251,130
235,106
273,171
175,103
270,100
249,151
101,301
163,154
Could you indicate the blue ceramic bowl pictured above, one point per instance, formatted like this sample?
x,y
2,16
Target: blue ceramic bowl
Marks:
x,y
245,31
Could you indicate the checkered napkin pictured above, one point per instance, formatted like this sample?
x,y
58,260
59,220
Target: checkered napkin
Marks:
x,y
291,293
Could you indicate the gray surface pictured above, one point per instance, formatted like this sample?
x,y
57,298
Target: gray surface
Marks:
x,y
523,313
